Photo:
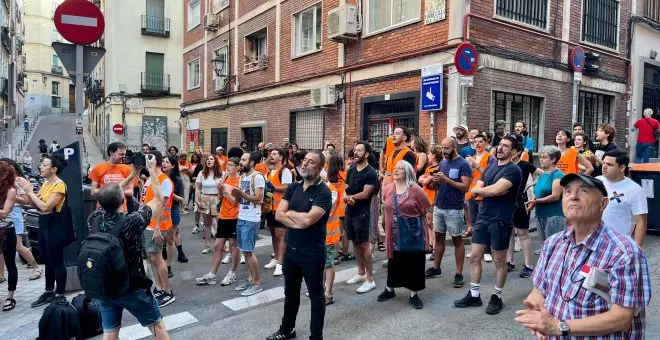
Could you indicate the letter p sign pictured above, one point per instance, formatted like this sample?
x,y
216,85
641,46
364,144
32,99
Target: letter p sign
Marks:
x,y
68,152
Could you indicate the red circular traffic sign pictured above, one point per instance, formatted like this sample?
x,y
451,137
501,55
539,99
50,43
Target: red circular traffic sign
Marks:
x,y
466,59
118,129
79,21
577,59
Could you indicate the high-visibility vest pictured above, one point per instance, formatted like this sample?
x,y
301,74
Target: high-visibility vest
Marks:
x,y
341,186
274,177
166,221
568,163
222,162
476,175
262,168
525,156
391,163
332,227
430,192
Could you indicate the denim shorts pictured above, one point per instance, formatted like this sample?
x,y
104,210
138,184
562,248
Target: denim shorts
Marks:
x,y
246,235
17,218
176,216
150,246
450,221
140,303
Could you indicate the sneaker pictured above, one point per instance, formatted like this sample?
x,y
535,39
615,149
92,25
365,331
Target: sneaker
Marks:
x,y
226,259
158,292
538,251
44,299
416,302
278,270
468,301
195,229
242,258
526,272
468,255
356,279
458,281
169,273
488,258
166,299
271,264
517,245
282,335
207,279
510,267
337,261
495,305
182,258
432,273
254,289
385,295
229,279
245,285
366,287
205,251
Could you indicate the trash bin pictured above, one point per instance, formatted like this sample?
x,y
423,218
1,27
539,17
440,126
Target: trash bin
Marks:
x,y
648,177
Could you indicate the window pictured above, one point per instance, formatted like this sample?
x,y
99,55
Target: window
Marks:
x,y
593,109
56,60
219,5
193,74
218,138
253,136
256,46
194,14
307,34
600,22
386,14
222,54
652,10
530,12
306,129
56,88
512,107
56,102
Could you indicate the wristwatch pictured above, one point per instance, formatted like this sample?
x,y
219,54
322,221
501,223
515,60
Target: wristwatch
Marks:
x,y
564,328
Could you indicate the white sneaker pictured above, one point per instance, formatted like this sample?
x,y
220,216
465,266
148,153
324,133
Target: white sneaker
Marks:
x,y
271,264
195,229
242,258
278,270
488,258
207,279
226,259
205,251
356,279
229,279
538,251
517,245
468,255
366,287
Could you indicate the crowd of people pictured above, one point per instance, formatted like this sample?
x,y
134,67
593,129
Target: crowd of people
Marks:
x,y
316,202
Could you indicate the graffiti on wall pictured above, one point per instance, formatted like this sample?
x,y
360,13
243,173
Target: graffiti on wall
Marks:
x,y
154,132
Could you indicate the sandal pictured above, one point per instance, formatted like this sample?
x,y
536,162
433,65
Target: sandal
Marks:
x,y
10,306
36,274
329,300
381,246
347,257
2,279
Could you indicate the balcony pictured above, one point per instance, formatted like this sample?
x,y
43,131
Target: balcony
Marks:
x,y
56,69
6,39
155,26
155,83
5,88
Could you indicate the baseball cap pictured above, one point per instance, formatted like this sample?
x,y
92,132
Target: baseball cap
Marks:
x,y
586,179
219,148
462,126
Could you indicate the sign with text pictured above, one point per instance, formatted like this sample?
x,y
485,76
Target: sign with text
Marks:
x,y
434,11
431,88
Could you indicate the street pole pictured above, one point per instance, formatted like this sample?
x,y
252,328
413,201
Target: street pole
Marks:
x,y
432,139
79,81
574,117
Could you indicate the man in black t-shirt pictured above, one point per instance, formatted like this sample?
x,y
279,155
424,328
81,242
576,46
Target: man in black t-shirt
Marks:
x,y
361,186
494,225
304,210
605,137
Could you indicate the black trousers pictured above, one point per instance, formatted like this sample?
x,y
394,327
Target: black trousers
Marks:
x,y
53,258
9,254
308,264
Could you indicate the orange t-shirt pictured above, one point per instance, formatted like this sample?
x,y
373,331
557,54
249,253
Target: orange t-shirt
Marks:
x,y
262,168
229,211
222,160
568,163
106,173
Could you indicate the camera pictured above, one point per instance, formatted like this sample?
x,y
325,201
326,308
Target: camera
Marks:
x,y
138,159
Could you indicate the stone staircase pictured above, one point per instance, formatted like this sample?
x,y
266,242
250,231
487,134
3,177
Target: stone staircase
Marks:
x,y
16,138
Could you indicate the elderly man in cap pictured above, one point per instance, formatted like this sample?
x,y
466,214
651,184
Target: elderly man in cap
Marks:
x,y
221,157
462,141
591,280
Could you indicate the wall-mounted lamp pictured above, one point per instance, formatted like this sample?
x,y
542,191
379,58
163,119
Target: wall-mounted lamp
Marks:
x,y
653,54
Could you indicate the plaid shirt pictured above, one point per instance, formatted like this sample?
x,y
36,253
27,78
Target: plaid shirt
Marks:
x,y
557,276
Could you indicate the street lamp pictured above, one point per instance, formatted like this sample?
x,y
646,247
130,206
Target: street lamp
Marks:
x,y
219,63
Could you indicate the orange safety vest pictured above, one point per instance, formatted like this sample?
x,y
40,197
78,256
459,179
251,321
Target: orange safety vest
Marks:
x,y
262,168
389,147
222,161
525,156
476,175
332,227
391,162
166,222
341,187
568,163
430,192
274,177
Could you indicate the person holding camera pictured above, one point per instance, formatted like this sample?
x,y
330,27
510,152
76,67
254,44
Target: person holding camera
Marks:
x,y
139,301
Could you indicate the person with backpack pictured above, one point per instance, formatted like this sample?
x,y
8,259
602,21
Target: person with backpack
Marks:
x,y
55,224
114,244
280,177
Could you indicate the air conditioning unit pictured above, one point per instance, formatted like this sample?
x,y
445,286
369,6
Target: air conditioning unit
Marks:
x,y
322,96
220,84
342,23
211,22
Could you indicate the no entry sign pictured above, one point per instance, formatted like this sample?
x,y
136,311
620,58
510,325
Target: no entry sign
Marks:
x,y
118,129
577,59
466,59
79,21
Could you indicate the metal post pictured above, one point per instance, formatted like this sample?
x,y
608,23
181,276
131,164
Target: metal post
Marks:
x,y
575,101
342,98
79,81
432,139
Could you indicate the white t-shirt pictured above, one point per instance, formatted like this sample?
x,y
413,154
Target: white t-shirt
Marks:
x,y
249,211
209,185
167,187
626,200
287,177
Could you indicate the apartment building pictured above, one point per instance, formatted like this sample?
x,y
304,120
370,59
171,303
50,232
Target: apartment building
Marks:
x,y
138,82
307,71
48,87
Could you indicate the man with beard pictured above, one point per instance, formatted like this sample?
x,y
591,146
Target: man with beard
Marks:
x,y
280,177
112,171
361,185
249,195
500,132
462,140
304,210
494,225
401,138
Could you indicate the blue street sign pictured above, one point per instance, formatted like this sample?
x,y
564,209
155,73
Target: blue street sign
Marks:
x,y
577,59
466,59
431,91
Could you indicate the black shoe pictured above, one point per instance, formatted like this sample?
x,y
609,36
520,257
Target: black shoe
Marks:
x,y
458,281
495,305
468,301
43,299
526,272
164,252
386,295
432,257
282,335
432,272
182,258
510,267
165,299
169,272
416,302
158,293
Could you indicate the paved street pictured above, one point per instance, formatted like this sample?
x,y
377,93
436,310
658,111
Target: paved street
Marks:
x,y
61,128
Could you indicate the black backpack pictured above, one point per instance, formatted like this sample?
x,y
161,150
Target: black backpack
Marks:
x,y
59,322
101,263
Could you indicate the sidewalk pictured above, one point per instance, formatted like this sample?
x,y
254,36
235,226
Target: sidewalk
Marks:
x,y
93,153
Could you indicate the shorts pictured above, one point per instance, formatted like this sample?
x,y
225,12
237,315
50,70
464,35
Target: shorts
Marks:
x,y
449,221
330,255
19,222
521,217
358,227
176,216
226,228
150,246
140,303
473,206
495,234
246,235
208,204
551,225
271,222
